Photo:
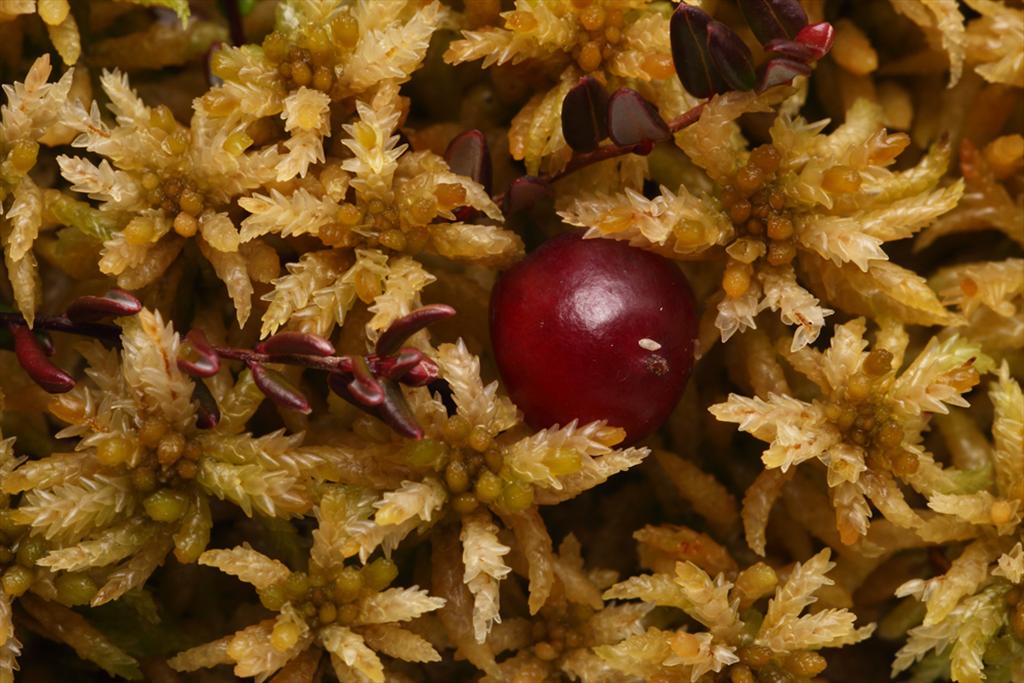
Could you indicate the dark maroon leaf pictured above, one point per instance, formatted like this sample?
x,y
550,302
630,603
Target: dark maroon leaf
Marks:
x,y
392,338
209,413
524,193
421,374
114,303
773,19
467,155
366,395
633,120
409,366
130,305
296,342
396,365
33,360
790,49
731,57
779,71
393,410
364,387
818,37
196,357
343,364
278,389
585,115
688,31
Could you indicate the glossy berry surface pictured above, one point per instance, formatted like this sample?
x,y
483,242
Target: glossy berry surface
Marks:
x,y
594,329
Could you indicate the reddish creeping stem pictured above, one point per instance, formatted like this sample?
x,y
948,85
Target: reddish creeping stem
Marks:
x,y
710,58
369,382
612,150
32,348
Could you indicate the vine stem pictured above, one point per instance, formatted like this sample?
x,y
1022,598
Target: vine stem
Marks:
x,y
414,371
611,151
326,363
61,323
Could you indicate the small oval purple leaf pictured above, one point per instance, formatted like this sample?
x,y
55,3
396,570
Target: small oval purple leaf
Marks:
x,y
585,115
422,373
115,303
467,154
208,414
731,57
396,365
196,357
364,387
33,360
278,389
791,49
393,411
633,120
400,330
818,37
409,366
523,194
780,71
688,33
368,395
773,19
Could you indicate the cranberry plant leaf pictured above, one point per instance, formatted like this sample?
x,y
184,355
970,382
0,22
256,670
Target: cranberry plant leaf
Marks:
x,y
524,193
392,338
585,115
633,120
467,154
32,357
196,356
279,389
792,49
730,56
773,19
207,412
688,32
779,71
818,37
116,302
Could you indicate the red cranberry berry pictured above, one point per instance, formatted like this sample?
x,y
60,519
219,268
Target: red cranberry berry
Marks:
x,y
594,329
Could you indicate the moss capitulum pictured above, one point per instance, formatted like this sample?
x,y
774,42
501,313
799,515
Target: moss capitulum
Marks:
x,y
473,470
393,225
312,61
325,597
759,664
558,629
758,211
862,413
19,554
162,472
